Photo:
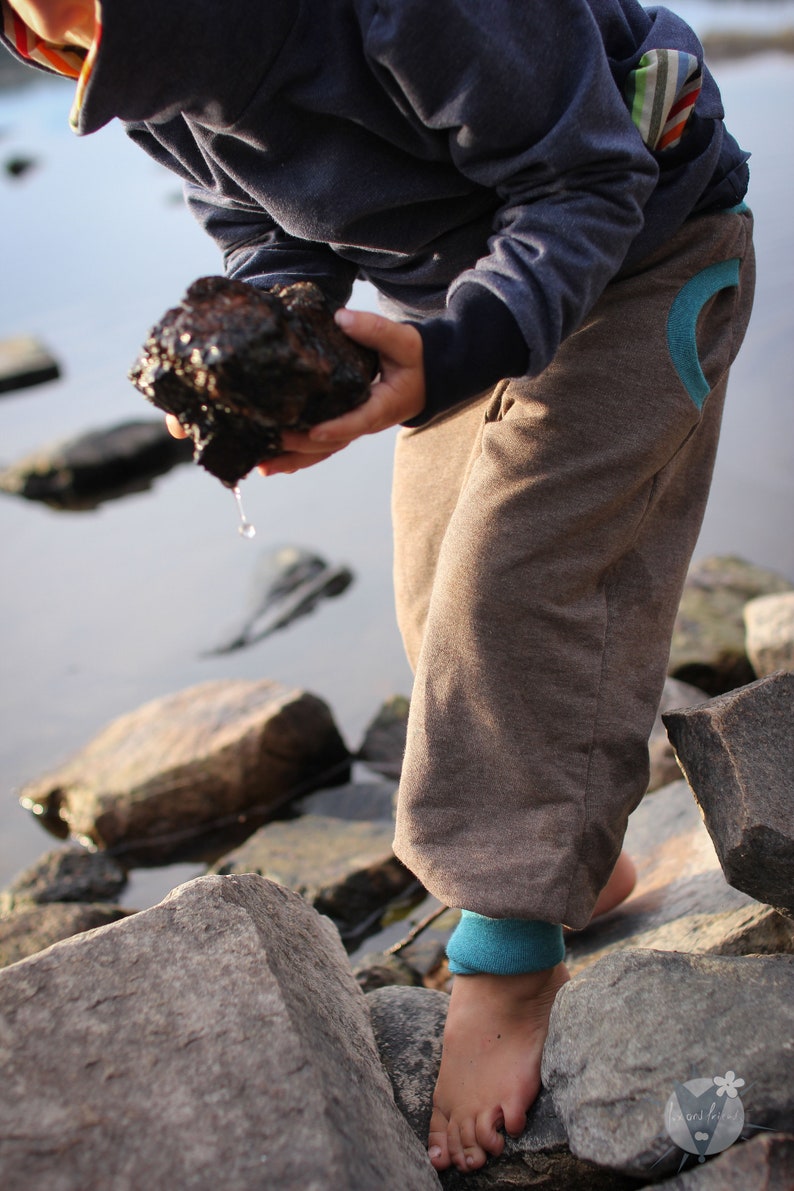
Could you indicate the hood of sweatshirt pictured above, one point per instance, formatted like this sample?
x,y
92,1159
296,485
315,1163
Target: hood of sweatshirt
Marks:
x,y
151,60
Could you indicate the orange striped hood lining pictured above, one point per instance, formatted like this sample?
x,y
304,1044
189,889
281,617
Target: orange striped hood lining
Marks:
x,y
70,61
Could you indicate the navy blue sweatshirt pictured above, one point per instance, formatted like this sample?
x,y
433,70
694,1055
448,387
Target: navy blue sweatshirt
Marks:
x,y
476,160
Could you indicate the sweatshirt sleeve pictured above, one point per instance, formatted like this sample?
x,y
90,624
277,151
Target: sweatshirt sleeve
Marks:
x,y
525,96
255,249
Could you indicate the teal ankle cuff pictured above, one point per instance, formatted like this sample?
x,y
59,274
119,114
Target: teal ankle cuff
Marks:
x,y
503,946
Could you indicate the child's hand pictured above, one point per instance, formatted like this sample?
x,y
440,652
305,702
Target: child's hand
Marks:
x,y
397,395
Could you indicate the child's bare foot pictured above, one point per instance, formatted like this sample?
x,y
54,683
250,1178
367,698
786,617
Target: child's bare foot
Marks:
x,y
490,1063
620,884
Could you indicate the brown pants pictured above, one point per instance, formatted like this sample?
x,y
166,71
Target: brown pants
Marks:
x,y
542,537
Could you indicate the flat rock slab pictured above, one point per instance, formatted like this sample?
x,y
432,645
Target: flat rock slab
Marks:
x,y
216,1040
32,928
25,362
626,1030
708,647
769,625
345,869
161,776
682,901
737,752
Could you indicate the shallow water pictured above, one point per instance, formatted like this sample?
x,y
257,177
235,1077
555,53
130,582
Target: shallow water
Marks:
x,y
101,611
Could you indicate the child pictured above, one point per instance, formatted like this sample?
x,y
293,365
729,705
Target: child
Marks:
x,y
547,200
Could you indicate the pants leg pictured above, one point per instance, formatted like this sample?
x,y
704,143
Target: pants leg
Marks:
x,y
542,538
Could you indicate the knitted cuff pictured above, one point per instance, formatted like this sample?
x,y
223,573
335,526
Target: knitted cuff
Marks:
x,y
503,946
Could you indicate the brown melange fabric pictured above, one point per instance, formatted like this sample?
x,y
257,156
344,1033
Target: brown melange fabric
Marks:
x,y
542,537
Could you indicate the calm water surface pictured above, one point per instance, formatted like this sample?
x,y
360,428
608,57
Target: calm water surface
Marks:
x,y
101,611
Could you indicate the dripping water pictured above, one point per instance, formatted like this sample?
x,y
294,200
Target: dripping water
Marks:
x,y
245,528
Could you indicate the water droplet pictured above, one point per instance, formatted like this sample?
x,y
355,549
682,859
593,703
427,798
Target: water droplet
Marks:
x,y
245,528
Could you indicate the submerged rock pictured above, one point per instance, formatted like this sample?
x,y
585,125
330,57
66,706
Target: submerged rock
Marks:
x,y
288,583
238,365
81,473
156,779
25,362
216,1040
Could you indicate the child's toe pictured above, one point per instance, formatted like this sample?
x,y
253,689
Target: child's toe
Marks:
x,y
472,1155
437,1140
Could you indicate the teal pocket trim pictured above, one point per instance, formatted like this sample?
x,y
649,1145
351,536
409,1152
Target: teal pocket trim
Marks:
x,y
740,209
682,323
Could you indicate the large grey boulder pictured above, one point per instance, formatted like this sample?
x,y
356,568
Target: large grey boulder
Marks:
x,y
708,646
737,752
158,777
682,901
30,928
344,868
769,626
626,1031
216,1040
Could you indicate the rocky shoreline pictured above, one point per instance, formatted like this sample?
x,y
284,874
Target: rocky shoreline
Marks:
x,y
223,1037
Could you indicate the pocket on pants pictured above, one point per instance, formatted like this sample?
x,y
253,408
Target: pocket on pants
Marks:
x,y
682,324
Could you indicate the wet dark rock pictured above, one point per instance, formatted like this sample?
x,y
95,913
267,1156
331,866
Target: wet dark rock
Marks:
x,y
216,1040
737,752
664,767
762,1163
186,764
238,366
25,362
708,647
30,928
628,1029
384,739
769,623
288,583
682,901
345,869
66,875
81,473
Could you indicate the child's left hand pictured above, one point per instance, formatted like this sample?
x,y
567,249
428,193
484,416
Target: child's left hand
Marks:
x,y
397,395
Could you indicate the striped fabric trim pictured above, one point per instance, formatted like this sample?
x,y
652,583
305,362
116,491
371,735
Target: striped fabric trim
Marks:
x,y
70,61
661,94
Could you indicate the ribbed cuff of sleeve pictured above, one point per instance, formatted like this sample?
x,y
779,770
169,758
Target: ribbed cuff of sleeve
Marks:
x,y
503,946
472,347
